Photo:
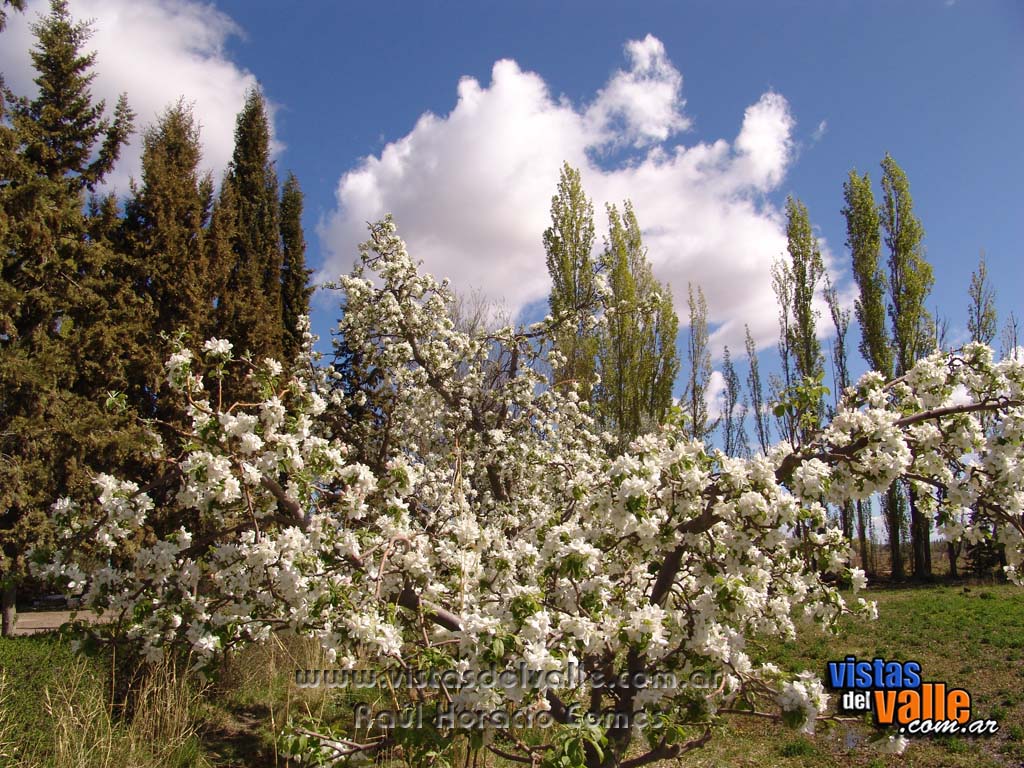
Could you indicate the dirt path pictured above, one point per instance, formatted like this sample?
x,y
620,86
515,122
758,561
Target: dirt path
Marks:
x,y
30,622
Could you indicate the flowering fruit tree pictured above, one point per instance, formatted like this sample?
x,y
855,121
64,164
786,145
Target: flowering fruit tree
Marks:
x,y
439,502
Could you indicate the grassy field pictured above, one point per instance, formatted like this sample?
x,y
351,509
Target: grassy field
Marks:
x,y
55,709
968,637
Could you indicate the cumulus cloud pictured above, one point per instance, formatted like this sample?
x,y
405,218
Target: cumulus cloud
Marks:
x,y
642,105
471,190
155,51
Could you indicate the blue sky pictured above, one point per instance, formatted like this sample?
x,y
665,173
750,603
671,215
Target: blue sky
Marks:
x,y
707,120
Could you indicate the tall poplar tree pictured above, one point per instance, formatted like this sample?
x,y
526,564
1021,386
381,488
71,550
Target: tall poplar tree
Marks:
x,y
698,354
981,311
910,282
756,390
910,275
981,324
636,358
850,513
796,282
864,241
899,295
807,269
734,411
569,243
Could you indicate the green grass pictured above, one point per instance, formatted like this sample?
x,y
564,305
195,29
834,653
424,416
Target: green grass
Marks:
x,y
31,666
970,638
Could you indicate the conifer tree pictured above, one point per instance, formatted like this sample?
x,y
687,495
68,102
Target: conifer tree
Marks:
x,y
18,5
164,231
295,288
220,255
249,309
70,321
166,220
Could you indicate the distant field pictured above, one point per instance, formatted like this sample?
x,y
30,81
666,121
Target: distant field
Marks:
x,y
971,638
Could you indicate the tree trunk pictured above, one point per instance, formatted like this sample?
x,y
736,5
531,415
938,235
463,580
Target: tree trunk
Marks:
x,y
862,535
952,553
920,538
10,614
892,512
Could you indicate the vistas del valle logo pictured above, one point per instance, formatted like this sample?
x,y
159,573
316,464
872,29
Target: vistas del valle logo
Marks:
x,y
895,692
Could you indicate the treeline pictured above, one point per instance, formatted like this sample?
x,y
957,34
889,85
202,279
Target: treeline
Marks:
x,y
93,292
626,367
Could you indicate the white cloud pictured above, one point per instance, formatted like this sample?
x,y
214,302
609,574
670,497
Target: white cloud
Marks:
x,y
820,131
471,190
156,51
714,397
641,106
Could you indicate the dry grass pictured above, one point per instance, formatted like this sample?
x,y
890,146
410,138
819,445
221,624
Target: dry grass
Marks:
x,y
78,726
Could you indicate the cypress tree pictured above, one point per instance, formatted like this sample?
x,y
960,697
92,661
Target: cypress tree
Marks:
x,y
249,309
220,255
165,221
164,232
295,288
